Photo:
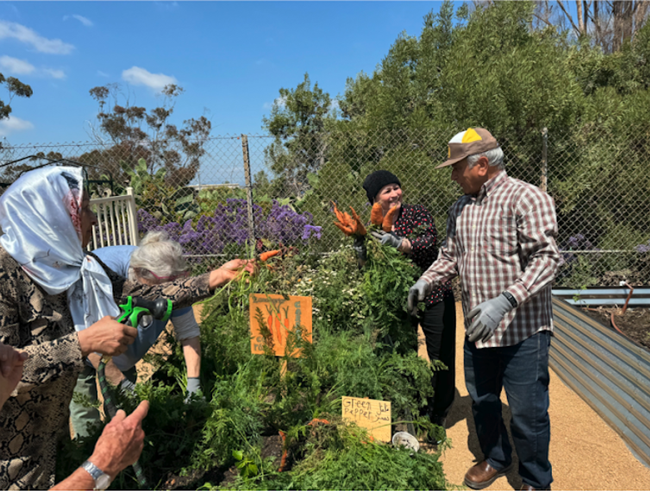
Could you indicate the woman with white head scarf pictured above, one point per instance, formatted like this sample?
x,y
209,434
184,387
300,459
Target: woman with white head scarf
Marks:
x,y
48,285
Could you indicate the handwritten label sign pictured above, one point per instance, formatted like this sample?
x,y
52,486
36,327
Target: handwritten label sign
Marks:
x,y
371,414
273,317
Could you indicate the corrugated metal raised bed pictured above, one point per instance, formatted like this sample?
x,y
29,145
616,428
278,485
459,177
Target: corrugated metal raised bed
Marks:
x,y
608,371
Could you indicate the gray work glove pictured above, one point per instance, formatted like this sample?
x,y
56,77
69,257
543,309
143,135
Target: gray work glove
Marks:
x,y
359,247
486,317
416,294
387,238
193,387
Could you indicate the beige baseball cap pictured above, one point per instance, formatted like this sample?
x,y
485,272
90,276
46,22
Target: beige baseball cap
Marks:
x,y
468,142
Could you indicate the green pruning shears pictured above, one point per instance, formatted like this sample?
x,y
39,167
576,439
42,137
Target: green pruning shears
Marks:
x,y
136,308
133,311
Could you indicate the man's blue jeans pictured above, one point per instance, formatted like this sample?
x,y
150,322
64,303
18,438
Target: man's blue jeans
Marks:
x,y
523,370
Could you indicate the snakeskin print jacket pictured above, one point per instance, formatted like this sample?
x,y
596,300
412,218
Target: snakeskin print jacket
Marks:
x,y
36,416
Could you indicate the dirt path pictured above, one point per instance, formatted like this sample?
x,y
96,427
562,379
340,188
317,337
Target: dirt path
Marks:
x,y
586,454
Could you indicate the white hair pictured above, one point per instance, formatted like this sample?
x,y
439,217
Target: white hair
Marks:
x,y
494,156
159,255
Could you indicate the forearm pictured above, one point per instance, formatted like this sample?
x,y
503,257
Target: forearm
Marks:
x,y
79,479
113,374
50,360
192,354
442,270
536,235
538,274
182,293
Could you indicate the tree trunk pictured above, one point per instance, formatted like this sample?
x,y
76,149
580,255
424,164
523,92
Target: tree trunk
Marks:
x,y
581,22
640,14
599,31
617,12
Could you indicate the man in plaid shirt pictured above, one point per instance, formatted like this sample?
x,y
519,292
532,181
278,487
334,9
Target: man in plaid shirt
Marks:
x,y
501,240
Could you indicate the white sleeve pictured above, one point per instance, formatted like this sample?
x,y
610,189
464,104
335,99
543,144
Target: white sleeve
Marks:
x,y
185,326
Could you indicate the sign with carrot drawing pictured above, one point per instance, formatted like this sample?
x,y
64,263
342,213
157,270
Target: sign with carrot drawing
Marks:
x,y
278,322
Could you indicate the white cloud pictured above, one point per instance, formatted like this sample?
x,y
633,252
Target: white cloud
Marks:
x,y
102,74
13,125
11,30
51,72
334,104
139,76
16,66
86,22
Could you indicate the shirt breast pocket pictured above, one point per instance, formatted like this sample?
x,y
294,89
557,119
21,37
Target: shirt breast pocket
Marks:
x,y
500,238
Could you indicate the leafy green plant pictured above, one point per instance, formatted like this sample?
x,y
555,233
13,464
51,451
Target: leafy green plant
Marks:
x,y
246,466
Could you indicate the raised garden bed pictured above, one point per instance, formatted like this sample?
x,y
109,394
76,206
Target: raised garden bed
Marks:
x,y
635,323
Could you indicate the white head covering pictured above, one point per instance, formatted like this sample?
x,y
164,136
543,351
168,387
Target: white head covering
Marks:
x,y
40,215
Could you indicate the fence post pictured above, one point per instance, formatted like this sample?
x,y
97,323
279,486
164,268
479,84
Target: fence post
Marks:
x,y
249,192
544,178
133,217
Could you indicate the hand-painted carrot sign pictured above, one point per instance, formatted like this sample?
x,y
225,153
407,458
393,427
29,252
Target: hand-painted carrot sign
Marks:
x,y
272,318
371,414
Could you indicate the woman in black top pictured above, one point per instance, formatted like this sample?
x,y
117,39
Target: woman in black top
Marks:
x,y
414,234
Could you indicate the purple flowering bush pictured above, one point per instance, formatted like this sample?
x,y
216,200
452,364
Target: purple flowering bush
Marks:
x,y
225,230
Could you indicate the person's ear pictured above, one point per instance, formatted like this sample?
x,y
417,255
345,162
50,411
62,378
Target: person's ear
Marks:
x,y
483,164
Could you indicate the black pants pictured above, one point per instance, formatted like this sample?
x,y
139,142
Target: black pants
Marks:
x,y
439,325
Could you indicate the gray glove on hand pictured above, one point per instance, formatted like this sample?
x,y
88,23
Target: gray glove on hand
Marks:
x,y
416,294
486,317
193,387
387,238
359,247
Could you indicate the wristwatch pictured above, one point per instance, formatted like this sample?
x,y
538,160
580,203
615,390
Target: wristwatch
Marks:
x,y
102,481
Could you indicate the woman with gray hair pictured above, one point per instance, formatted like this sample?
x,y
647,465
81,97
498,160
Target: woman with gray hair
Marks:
x,y
157,260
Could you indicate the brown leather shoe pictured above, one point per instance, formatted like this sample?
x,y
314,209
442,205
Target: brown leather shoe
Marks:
x,y
482,475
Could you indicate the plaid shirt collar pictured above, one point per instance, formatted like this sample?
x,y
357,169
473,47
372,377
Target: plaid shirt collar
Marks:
x,y
490,186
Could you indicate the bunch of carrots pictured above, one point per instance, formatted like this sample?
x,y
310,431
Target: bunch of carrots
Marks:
x,y
273,318
352,226
385,222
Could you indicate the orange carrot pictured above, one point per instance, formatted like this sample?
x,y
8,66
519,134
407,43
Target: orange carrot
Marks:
x,y
339,215
270,322
389,219
360,229
278,328
315,421
344,229
285,453
377,215
265,256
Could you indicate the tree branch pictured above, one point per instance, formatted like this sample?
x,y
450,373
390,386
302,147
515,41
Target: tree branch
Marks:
x,y
545,21
568,16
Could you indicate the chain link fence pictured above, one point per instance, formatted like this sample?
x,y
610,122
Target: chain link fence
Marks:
x,y
228,195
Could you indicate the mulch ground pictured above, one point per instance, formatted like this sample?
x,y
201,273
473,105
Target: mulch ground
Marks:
x,y
635,323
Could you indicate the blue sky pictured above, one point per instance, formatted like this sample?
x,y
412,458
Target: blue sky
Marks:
x,y
231,57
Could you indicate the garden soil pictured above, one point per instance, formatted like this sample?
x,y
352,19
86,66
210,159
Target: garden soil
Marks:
x,y
585,452
635,323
